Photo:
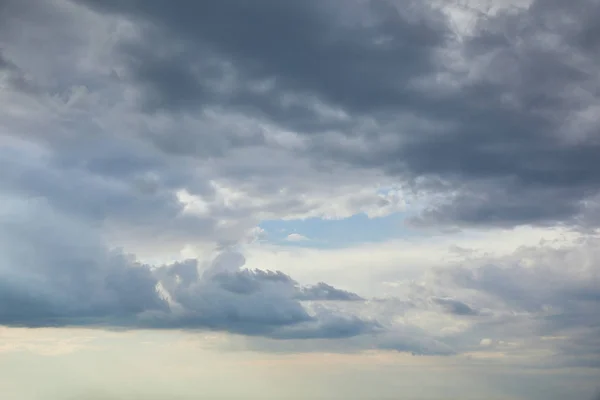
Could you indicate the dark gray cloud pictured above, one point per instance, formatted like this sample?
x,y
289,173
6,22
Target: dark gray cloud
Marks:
x,y
54,271
255,302
505,111
454,306
308,47
12,77
250,281
331,326
245,282
323,291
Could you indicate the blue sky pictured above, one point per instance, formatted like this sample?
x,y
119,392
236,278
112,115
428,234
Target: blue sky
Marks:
x,y
345,232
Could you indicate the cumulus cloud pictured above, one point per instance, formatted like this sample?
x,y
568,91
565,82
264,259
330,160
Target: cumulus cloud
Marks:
x,y
323,291
55,271
255,302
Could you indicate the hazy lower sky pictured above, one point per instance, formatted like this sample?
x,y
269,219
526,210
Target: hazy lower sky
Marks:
x,y
277,199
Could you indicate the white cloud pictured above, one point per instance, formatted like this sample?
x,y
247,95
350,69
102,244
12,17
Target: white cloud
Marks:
x,y
296,237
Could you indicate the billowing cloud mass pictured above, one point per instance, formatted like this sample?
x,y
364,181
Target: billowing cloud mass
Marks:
x,y
144,142
55,272
503,109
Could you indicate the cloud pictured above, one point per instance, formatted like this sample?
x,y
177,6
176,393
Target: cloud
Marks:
x,y
454,306
128,170
330,326
323,291
253,66
11,77
408,340
490,119
55,271
296,237
255,302
66,276
544,294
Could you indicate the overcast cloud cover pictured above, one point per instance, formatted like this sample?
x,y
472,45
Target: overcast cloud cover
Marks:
x,y
143,144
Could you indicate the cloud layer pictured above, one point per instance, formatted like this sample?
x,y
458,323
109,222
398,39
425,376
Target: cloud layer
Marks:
x,y
501,108
159,129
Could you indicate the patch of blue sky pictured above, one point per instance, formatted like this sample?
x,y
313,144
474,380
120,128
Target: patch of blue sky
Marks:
x,y
327,233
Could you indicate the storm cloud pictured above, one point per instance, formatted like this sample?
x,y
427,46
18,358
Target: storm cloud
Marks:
x,y
498,116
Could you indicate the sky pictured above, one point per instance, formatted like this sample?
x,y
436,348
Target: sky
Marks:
x,y
278,199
